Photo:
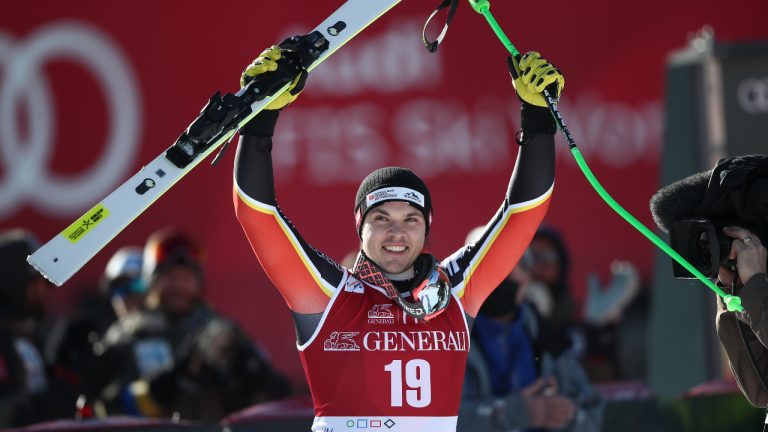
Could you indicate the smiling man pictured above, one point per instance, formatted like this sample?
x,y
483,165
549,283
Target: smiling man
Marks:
x,y
384,343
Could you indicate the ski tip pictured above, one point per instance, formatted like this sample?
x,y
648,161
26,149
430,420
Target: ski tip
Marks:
x,y
42,271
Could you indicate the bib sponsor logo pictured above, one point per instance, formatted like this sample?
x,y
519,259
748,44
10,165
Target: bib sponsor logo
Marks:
x,y
415,341
398,341
341,341
381,314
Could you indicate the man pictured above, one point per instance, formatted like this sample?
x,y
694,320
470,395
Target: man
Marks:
x,y
734,196
70,346
122,284
175,353
517,380
552,267
385,342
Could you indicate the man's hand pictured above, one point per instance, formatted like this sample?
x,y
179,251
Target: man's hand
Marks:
x,y
266,62
532,75
545,408
750,254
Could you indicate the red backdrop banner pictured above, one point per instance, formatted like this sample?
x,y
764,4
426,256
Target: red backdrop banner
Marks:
x,y
91,90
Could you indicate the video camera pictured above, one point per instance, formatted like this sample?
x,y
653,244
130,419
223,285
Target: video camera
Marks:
x,y
703,244
695,210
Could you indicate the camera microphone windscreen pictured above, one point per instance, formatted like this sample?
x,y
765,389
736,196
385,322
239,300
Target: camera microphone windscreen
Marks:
x,y
678,200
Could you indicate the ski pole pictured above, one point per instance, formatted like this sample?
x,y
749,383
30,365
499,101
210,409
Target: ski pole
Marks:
x,y
732,302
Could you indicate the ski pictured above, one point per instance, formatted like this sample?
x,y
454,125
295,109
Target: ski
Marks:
x,y
67,252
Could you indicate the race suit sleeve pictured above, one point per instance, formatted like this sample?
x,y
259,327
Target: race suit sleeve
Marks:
x,y
754,298
476,269
305,277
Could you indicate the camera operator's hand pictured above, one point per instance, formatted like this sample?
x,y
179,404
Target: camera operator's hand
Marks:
x,y
749,253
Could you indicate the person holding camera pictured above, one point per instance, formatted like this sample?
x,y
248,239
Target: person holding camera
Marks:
x,y
718,219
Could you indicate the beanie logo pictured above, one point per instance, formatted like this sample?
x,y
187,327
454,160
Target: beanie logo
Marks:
x,y
395,194
411,196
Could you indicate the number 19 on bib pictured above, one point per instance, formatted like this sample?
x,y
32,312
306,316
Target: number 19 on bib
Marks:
x,y
418,392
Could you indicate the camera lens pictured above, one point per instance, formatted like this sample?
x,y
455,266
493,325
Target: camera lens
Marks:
x,y
701,251
698,241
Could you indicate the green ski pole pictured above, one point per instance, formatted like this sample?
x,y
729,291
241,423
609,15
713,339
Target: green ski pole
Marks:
x,y
733,303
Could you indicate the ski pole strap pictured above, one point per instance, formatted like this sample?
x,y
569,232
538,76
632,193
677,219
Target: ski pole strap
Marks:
x,y
432,46
732,302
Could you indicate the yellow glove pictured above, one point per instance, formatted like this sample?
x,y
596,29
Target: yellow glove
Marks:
x,y
267,61
531,75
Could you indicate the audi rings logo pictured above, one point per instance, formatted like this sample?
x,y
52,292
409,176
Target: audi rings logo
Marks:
x,y
753,95
25,160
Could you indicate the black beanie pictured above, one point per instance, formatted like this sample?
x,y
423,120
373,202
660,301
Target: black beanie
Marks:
x,y
392,184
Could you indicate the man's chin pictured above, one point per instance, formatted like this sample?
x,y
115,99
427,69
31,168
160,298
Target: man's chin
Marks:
x,y
395,268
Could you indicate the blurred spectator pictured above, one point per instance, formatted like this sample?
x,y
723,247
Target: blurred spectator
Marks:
x,y
535,292
603,313
70,347
23,373
596,337
175,354
515,378
551,263
123,283
606,304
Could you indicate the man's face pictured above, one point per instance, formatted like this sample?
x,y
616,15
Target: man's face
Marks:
x,y
393,235
179,290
